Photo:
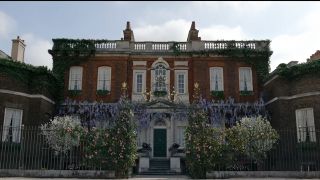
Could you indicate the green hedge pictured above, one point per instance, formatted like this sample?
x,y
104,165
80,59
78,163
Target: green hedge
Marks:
x,y
37,79
297,71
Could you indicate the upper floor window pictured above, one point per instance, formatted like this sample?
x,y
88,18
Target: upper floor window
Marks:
x,y
305,125
12,125
104,78
216,79
181,84
139,81
245,79
160,77
75,78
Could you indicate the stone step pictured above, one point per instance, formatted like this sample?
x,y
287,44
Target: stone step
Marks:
x,y
167,172
159,168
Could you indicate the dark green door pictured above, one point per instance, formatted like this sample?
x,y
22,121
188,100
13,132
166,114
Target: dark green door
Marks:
x,y
160,143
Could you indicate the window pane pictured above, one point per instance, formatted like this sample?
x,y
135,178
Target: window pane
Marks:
x,y
181,83
160,78
245,79
12,125
104,78
75,78
139,83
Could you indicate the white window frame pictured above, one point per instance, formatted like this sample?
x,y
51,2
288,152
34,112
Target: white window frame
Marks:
x,y
243,77
153,74
73,70
185,76
181,81
16,127
104,70
216,72
135,75
305,124
161,68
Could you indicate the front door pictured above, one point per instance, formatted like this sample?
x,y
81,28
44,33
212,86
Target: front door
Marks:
x,y
160,143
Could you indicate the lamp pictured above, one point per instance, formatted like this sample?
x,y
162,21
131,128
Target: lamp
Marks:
x,y
172,94
147,95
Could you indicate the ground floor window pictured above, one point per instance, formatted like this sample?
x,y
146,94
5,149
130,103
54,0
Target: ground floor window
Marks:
x,y
305,125
12,125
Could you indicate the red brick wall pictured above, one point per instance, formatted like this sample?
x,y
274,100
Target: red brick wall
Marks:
x,y
198,72
283,111
35,110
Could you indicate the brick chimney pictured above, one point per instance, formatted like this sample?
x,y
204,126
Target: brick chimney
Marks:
x,y
17,51
193,33
128,33
315,56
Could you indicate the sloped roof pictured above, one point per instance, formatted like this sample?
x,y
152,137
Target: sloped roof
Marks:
x,y
3,55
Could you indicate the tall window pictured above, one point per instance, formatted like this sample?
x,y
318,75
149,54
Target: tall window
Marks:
x,y
180,136
104,78
75,78
181,84
216,79
245,79
139,83
305,125
160,77
12,125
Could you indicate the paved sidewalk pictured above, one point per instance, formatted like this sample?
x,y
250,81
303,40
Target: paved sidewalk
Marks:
x,y
146,178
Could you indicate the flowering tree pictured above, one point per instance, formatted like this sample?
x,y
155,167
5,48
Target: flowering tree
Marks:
x,y
228,112
203,144
253,137
62,133
124,139
113,148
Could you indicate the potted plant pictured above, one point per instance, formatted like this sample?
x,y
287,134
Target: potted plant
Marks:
x,y
103,92
217,94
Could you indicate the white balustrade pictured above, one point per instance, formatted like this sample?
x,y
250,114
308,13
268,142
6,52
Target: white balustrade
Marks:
x,y
167,46
140,46
160,46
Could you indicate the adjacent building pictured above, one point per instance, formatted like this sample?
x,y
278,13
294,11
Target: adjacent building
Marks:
x,y
26,99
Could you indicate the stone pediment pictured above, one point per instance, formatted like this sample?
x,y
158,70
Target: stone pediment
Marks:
x,y
160,104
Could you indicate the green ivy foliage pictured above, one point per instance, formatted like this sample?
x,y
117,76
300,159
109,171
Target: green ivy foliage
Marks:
x,y
297,71
63,59
37,79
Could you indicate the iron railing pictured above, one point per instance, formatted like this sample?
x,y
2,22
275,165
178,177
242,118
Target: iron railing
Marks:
x,y
293,152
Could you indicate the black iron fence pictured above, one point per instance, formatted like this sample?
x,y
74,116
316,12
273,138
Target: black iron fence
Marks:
x,y
26,148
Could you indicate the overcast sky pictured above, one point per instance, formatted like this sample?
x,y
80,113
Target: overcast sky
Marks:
x,y
292,27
